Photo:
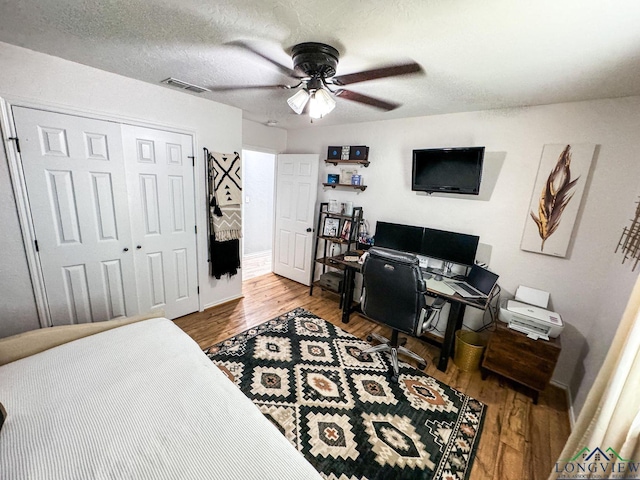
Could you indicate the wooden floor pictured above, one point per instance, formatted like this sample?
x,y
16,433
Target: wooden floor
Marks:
x,y
519,441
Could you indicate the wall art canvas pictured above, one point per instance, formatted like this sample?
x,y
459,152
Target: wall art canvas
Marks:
x,y
557,194
629,243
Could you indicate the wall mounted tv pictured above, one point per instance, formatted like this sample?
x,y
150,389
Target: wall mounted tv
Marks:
x,y
447,170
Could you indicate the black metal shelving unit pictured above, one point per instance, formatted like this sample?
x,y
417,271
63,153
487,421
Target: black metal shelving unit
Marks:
x,y
350,242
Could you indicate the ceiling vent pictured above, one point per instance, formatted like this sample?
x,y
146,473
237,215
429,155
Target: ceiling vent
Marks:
x,y
174,82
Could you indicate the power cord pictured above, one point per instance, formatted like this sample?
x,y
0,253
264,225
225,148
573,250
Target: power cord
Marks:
x,y
492,307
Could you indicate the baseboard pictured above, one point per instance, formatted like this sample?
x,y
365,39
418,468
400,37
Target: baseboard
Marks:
x,y
567,391
223,301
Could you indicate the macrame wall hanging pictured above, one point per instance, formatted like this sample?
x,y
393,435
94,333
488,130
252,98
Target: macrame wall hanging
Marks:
x,y
225,214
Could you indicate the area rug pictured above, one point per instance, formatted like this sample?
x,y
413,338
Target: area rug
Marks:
x,y
342,412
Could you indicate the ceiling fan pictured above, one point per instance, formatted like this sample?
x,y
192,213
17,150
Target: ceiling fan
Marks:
x,y
314,68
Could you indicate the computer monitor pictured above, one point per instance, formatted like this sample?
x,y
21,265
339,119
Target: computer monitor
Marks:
x,y
449,246
406,238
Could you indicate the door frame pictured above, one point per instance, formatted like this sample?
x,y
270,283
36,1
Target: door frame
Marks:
x,y
23,208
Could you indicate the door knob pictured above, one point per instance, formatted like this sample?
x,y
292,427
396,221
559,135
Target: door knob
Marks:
x,y
309,229
138,247
125,249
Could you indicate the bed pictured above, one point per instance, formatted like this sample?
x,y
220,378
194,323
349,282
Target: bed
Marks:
x,y
138,401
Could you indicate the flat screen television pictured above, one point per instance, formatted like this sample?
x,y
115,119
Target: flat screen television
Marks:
x,y
405,238
449,246
447,170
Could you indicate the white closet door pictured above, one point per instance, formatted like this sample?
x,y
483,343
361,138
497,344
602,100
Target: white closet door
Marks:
x,y
75,177
162,207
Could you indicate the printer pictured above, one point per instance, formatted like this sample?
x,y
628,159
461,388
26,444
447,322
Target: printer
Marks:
x,y
528,314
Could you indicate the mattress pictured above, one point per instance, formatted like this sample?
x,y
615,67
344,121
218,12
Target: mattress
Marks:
x,y
140,401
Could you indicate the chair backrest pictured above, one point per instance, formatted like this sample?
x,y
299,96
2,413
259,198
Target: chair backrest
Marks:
x,y
393,289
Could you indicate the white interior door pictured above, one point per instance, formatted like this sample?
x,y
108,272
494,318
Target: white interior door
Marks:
x,y
75,177
162,208
296,192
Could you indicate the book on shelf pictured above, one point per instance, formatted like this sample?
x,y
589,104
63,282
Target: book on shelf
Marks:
x,y
351,256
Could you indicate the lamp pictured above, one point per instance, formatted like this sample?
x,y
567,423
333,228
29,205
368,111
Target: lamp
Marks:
x,y
298,101
320,104
320,101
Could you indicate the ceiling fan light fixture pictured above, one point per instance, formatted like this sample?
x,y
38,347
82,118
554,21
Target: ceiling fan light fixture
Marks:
x,y
298,101
321,104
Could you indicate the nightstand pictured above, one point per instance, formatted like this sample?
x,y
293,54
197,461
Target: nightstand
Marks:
x,y
515,356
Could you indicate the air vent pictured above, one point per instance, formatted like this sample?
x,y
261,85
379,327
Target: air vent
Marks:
x,y
174,82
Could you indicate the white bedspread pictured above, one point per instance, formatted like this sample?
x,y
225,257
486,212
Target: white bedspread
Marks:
x,y
140,401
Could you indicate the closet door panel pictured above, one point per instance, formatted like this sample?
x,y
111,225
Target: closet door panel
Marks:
x,y
75,176
161,185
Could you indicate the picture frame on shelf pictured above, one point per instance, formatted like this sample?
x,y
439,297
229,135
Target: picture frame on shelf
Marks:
x,y
346,151
333,178
330,227
346,230
346,174
356,179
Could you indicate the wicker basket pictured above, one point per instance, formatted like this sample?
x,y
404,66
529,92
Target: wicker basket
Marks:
x,y
468,350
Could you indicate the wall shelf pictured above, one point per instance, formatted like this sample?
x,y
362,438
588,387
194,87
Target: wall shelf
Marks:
x,y
336,161
354,187
339,240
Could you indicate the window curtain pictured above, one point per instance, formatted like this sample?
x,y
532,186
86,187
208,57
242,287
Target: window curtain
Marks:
x,y
610,418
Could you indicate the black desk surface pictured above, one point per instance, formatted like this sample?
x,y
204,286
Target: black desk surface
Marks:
x,y
456,312
433,287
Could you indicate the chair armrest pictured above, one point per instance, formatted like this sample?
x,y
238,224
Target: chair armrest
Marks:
x,y
438,303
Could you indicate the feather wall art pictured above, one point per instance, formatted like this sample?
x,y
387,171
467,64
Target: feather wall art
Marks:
x,y
629,242
556,198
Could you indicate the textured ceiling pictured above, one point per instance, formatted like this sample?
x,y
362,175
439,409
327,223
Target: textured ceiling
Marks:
x,y
475,55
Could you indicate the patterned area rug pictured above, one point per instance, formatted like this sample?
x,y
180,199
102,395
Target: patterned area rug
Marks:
x,y
342,412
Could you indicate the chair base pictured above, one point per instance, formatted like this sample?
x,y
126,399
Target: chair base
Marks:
x,y
393,347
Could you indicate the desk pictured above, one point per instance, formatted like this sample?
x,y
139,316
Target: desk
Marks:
x,y
457,303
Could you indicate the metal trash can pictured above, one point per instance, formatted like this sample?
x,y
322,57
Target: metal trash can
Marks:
x,y
468,350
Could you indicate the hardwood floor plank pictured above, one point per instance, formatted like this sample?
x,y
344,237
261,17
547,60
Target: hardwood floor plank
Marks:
x,y
494,397
509,464
515,420
519,440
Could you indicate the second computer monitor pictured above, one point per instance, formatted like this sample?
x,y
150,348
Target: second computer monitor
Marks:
x,y
440,244
449,246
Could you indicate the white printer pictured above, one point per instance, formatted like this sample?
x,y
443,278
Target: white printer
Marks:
x,y
531,318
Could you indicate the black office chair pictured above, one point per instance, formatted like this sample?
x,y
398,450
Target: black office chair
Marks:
x,y
394,294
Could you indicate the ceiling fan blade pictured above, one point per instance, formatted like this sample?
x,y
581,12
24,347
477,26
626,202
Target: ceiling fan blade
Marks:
x,y
382,72
285,70
230,88
366,99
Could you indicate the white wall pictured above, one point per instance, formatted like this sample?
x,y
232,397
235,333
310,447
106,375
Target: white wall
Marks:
x,y
259,137
589,288
258,182
32,78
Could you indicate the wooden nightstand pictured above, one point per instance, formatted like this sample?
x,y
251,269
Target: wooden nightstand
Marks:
x,y
515,356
